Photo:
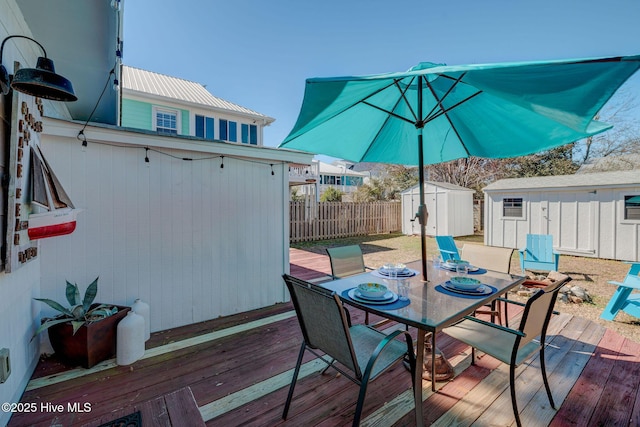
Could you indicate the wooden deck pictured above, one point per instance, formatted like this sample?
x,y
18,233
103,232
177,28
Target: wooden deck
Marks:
x,y
236,370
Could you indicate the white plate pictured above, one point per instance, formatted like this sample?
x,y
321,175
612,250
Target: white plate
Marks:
x,y
453,267
402,273
352,295
386,297
481,290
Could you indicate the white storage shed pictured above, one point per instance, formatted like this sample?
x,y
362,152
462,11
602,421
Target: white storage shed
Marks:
x,y
592,214
450,209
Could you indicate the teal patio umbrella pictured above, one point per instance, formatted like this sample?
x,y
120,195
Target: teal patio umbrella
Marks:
x,y
435,113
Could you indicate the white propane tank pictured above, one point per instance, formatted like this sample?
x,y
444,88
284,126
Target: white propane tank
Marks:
x,y
130,340
142,308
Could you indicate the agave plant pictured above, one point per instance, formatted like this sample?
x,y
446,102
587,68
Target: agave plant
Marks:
x,y
79,312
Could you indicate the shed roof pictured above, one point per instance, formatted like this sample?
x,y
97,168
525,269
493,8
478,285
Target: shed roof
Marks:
x,y
600,179
445,185
156,84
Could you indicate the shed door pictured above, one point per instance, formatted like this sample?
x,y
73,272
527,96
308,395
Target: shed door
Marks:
x,y
572,220
430,202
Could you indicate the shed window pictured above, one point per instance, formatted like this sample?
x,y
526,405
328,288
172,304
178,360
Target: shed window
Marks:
x,y
632,207
512,207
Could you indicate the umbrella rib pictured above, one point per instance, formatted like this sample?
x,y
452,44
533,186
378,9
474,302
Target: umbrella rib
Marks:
x,y
406,101
402,96
429,116
445,111
391,113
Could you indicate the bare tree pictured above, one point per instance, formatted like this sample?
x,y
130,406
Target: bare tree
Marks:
x,y
623,139
472,172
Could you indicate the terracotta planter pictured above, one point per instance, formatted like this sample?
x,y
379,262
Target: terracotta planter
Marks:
x,y
91,344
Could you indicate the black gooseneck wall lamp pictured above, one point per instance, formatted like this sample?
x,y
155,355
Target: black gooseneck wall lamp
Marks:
x,y
41,81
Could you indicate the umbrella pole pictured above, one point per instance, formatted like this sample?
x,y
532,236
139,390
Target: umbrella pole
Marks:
x,y
422,209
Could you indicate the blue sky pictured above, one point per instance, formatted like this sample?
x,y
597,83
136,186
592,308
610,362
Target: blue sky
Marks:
x,y
258,53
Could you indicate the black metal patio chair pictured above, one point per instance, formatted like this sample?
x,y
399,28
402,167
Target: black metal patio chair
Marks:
x,y
513,346
363,352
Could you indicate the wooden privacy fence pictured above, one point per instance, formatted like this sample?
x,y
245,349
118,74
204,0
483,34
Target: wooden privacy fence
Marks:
x,y
330,220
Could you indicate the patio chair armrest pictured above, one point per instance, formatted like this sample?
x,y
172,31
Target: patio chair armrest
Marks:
x,y
510,301
495,325
448,252
627,283
382,344
519,303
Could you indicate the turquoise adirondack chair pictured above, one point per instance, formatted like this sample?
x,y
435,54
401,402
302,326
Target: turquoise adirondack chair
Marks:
x,y
448,248
623,299
539,255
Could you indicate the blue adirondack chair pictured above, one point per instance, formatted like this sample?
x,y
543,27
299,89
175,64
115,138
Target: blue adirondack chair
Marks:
x,y
448,248
623,299
539,255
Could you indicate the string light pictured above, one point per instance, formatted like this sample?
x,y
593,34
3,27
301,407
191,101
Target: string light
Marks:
x,y
83,138
111,73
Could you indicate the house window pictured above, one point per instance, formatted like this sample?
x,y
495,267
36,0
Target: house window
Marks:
x,y
228,130
204,127
166,121
354,180
512,207
249,134
328,179
632,207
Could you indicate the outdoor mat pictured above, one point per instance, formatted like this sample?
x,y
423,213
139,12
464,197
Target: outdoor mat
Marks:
x,y
131,420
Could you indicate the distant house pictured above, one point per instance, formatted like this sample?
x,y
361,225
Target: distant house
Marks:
x,y
320,176
174,106
595,214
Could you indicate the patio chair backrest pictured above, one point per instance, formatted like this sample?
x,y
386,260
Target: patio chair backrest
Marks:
x,y
537,312
540,247
447,247
346,261
323,321
490,257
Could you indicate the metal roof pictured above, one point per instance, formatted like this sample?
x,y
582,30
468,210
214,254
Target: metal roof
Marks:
x,y
161,85
600,179
339,170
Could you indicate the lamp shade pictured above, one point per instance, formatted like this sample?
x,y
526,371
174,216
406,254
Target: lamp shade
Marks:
x,y
43,82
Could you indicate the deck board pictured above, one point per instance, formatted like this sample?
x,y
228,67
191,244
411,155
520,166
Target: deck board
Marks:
x,y
237,370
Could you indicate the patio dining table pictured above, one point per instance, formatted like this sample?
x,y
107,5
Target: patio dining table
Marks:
x,y
431,307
